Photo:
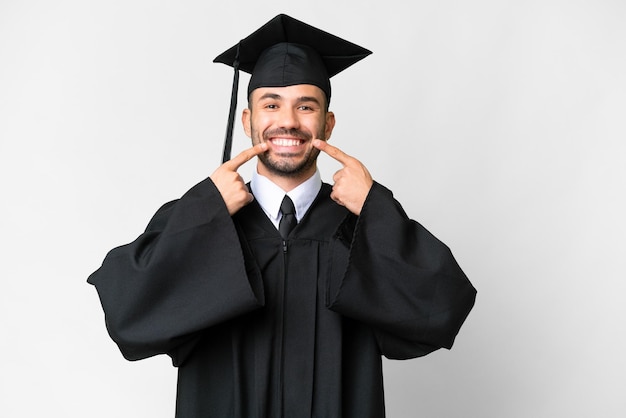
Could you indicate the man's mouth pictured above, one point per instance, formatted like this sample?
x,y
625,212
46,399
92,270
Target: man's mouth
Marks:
x,y
286,142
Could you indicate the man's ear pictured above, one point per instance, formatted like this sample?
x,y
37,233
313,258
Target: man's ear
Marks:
x,y
245,120
330,125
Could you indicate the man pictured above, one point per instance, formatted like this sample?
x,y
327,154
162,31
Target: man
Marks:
x,y
278,298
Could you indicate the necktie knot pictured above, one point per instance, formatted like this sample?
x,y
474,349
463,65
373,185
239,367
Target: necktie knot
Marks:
x,y
288,220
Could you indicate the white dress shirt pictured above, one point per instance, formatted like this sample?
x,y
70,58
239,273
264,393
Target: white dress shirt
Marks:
x,y
270,196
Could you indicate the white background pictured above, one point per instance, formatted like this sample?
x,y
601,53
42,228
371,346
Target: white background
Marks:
x,y
499,125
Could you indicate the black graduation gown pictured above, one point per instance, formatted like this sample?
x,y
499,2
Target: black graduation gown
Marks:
x,y
260,327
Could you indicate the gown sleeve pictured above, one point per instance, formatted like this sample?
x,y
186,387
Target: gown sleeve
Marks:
x,y
400,280
187,272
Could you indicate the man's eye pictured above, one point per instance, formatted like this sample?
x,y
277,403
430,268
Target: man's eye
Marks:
x,y
303,107
271,106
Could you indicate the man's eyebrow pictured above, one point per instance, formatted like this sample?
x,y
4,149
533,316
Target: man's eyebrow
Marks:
x,y
301,99
304,99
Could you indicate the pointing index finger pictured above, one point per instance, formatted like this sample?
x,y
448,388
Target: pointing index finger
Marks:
x,y
245,156
332,151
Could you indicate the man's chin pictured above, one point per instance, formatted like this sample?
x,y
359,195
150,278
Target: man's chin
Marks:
x,y
286,170
286,167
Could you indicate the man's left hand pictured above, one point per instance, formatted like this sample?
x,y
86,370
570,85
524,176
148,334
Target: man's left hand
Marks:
x,y
352,183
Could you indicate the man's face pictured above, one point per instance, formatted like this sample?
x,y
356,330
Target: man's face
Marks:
x,y
288,119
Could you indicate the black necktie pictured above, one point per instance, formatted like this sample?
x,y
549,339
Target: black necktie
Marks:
x,y
288,220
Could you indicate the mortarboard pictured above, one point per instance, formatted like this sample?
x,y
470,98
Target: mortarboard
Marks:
x,y
286,52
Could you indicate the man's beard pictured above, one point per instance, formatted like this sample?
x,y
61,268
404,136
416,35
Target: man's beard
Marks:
x,y
284,166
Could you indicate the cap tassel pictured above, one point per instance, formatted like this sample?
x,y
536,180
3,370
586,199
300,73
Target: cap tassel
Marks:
x,y
228,140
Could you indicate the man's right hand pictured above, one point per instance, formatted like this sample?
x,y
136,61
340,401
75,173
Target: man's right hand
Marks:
x,y
230,184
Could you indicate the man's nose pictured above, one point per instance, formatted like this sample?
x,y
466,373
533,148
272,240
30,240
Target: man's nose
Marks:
x,y
288,118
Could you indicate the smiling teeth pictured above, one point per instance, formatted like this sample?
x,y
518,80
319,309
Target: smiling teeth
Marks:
x,y
283,142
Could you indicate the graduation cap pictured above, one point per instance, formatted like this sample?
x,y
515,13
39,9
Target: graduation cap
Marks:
x,y
285,52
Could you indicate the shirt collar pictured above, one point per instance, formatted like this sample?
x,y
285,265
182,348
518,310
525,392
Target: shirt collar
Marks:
x,y
269,195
